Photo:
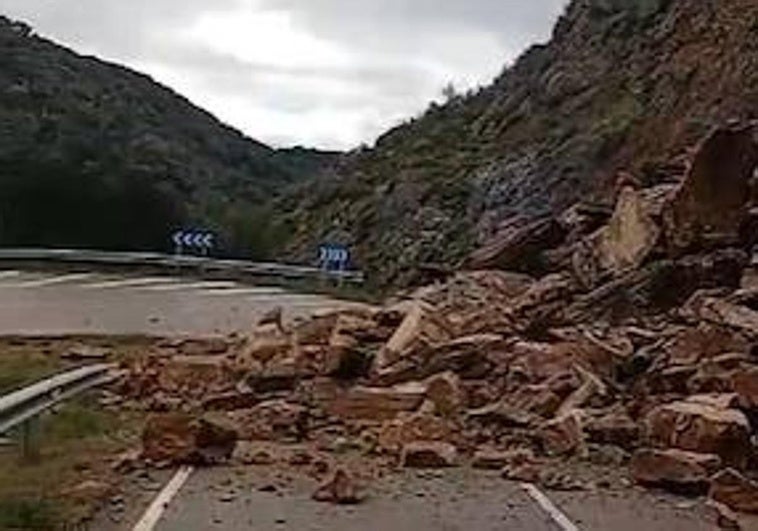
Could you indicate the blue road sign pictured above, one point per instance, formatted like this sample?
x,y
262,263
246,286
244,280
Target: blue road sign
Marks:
x,y
334,257
193,239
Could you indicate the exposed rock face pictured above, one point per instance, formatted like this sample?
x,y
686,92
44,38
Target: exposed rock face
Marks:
x,y
620,86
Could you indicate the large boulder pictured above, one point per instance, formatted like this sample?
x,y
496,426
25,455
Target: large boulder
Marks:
x,y
413,427
631,235
183,439
377,403
675,470
702,428
421,329
710,206
563,435
518,245
271,420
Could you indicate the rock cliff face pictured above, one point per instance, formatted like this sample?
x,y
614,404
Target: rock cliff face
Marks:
x,y
621,86
93,154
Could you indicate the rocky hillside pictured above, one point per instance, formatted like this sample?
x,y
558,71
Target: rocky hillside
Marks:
x,y
621,86
93,154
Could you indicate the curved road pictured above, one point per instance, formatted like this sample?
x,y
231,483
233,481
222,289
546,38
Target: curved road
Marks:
x,y
33,303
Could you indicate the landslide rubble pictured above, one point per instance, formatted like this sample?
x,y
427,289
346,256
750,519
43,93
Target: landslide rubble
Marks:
x,y
638,351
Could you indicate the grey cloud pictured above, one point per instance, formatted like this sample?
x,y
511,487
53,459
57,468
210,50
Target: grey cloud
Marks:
x,y
402,53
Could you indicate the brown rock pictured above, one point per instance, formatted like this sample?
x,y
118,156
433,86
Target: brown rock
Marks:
x,y
675,470
501,414
735,316
267,342
429,455
537,399
735,491
524,472
183,439
465,356
700,428
489,459
709,206
690,345
408,428
444,391
420,330
339,489
632,233
518,244
746,386
562,435
273,317
377,403
723,517
230,401
614,428
271,420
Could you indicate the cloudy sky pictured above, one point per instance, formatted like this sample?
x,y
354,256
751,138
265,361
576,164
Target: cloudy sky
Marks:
x,y
325,73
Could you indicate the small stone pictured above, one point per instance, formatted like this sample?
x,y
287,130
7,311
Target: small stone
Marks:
x,y
340,489
429,455
723,516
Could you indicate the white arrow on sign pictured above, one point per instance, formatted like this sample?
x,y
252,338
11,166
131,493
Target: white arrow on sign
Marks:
x,y
177,237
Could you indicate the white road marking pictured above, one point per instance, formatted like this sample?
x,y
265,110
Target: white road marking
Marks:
x,y
544,502
210,285
133,282
245,291
9,274
52,281
154,513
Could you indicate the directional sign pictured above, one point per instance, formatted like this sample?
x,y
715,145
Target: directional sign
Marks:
x,y
193,239
334,257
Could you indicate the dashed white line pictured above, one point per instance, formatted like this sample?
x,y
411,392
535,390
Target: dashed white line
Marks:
x,y
210,285
52,281
549,507
133,282
245,291
154,513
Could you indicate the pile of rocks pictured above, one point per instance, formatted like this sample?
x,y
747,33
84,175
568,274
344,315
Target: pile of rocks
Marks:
x,y
640,337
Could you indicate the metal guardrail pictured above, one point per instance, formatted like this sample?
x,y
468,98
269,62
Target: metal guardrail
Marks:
x,y
22,407
177,262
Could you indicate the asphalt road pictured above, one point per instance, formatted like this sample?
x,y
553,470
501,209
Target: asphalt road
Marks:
x,y
90,303
457,500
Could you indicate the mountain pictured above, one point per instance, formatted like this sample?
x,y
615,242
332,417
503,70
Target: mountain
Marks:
x,y
95,155
623,85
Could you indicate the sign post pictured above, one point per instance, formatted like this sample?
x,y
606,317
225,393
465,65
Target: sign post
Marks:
x,y
334,257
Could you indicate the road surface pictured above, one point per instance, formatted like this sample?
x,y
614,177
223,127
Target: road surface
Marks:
x,y
458,500
33,303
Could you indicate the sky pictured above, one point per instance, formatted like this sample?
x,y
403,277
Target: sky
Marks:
x,y
331,74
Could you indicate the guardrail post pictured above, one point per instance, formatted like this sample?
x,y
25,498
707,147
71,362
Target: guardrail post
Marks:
x,y
31,443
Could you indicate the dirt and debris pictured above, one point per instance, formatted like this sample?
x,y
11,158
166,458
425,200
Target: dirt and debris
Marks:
x,y
638,351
